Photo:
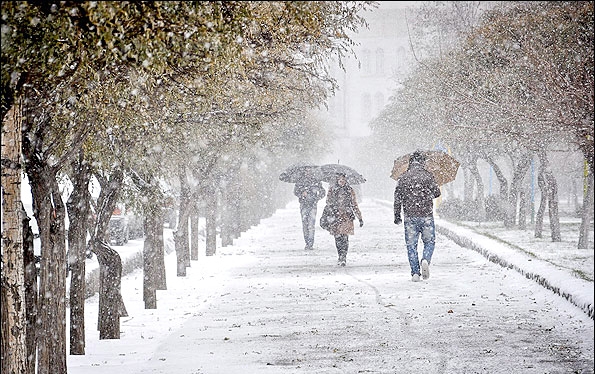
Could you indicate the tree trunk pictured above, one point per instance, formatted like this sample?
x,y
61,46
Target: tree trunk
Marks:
x,y
50,215
553,207
159,250
194,233
549,189
518,176
78,211
211,223
501,178
522,210
149,278
181,234
586,212
467,184
228,214
542,204
111,304
480,198
13,336
31,292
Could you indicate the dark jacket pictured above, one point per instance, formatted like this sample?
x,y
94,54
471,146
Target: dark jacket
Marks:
x,y
309,192
415,192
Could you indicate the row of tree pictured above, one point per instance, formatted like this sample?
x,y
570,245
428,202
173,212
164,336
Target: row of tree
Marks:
x,y
516,85
210,96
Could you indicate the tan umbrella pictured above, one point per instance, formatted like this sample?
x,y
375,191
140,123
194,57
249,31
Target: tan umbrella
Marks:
x,y
441,164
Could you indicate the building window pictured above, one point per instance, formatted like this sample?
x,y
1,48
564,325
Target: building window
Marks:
x,y
366,113
366,63
380,61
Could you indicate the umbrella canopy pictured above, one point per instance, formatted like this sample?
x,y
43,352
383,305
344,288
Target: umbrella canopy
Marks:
x,y
441,164
330,171
301,172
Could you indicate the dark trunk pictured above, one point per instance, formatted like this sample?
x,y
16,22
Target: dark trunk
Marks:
x,y
522,210
194,232
542,204
467,184
149,278
111,304
181,234
553,208
211,222
13,300
50,213
549,195
31,292
479,183
78,211
501,178
228,215
518,176
586,213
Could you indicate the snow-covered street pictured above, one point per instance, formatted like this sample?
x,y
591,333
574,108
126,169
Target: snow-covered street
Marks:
x,y
267,305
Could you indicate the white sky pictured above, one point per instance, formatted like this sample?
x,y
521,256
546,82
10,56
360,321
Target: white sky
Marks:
x,y
265,305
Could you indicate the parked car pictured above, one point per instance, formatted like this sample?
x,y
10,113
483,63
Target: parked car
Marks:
x,y
135,227
118,229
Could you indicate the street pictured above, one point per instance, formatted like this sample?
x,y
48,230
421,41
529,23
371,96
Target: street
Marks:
x,y
281,309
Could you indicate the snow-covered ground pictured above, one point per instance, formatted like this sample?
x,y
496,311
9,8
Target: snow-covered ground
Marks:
x,y
267,305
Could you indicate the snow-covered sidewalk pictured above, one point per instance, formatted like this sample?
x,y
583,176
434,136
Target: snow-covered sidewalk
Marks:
x,y
267,305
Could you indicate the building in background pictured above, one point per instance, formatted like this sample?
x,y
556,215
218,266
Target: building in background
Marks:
x,y
383,59
366,83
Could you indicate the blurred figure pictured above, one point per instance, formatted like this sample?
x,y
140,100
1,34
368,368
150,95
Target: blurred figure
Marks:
x,y
414,193
340,211
309,191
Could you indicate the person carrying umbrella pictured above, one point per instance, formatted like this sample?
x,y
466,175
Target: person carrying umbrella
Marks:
x,y
342,208
309,191
414,193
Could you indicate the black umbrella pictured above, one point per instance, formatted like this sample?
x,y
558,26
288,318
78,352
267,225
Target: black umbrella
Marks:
x,y
300,172
330,172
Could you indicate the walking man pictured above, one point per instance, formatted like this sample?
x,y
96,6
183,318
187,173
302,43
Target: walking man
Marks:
x,y
309,191
415,191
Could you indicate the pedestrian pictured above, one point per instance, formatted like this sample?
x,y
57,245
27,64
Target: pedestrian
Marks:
x,y
309,191
414,193
342,209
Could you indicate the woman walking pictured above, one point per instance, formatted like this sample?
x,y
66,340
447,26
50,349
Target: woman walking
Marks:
x,y
340,211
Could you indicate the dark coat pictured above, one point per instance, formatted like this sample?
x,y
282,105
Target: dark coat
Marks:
x,y
342,203
309,192
415,192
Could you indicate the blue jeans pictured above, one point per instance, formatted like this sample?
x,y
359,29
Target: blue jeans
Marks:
x,y
308,213
414,227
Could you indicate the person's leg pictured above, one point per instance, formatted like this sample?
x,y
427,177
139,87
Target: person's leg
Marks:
x,y
304,212
412,232
428,237
342,243
311,227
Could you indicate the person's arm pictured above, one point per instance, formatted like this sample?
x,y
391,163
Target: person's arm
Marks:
x,y
297,190
355,208
398,204
321,191
435,188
